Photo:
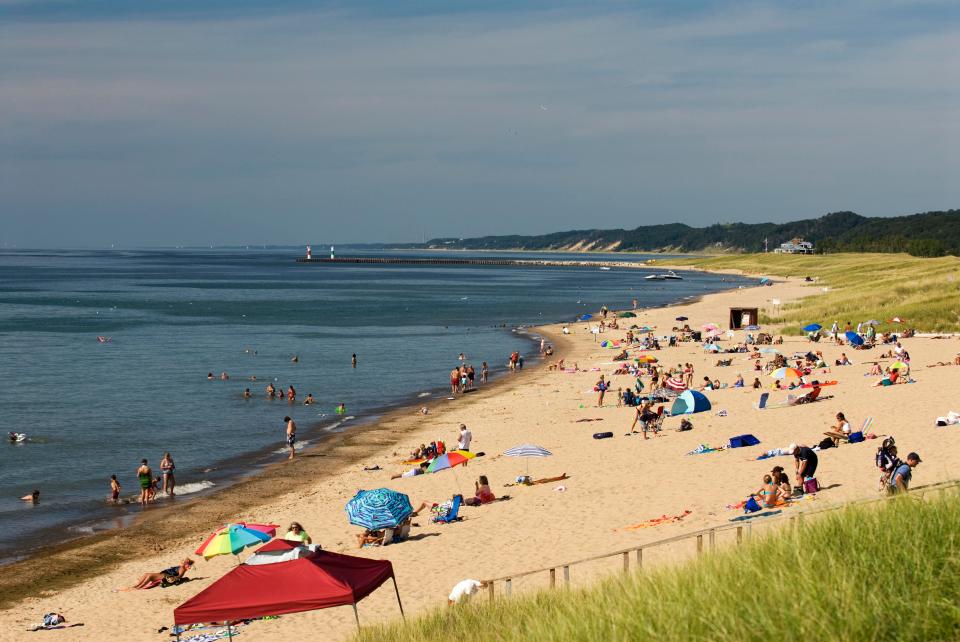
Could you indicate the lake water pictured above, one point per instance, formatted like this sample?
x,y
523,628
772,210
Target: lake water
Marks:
x,y
93,409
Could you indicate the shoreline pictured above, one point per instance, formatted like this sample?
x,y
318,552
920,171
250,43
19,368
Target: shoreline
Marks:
x,y
611,483
64,563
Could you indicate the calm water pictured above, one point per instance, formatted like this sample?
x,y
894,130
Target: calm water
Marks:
x,y
94,409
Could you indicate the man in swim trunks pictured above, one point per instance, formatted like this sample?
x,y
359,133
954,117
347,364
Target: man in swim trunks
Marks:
x,y
291,435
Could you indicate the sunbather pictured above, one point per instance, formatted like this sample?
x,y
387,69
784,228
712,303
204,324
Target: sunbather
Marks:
x,y
171,575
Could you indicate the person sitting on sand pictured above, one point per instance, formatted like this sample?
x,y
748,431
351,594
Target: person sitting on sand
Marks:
x,y
769,493
739,381
756,383
482,493
707,384
890,379
170,575
413,472
296,534
783,482
843,360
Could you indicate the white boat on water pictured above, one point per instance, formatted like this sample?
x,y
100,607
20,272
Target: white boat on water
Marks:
x,y
668,276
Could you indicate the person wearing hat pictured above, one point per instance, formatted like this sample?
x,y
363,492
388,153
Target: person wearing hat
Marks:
x,y
900,479
806,462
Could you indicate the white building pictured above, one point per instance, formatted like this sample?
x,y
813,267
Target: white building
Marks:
x,y
795,246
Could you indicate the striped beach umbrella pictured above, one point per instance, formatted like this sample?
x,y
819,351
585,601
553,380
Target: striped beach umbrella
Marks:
x,y
378,508
786,373
449,460
527,451
675,384
231,539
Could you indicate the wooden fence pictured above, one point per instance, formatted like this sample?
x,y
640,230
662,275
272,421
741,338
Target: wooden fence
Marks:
x,y
705,539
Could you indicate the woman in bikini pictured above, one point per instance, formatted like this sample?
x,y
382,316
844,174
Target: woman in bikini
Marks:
x,y
175,573
166,468
768,493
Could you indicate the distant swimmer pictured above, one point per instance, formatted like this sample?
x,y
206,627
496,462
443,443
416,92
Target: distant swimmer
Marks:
x,y
291,435
247,394
291,394
17,437
103,339
224,376
309,400
341,409
271,391
33,498
353,360
210,376
295,359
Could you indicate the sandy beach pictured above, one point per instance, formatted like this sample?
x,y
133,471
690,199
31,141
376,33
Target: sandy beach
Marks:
x,y
612,483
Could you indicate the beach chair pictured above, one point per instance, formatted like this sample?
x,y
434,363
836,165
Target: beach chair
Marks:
x,y
453,515
763,401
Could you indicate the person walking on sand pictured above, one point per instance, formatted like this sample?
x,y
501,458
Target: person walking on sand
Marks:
x,y
484,372
166,469
145,478
291,435
900,478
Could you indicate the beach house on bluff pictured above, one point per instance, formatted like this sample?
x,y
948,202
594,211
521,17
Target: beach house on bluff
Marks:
x,y
795,246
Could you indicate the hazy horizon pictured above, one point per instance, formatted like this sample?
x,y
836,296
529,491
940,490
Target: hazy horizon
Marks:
x,y
146,124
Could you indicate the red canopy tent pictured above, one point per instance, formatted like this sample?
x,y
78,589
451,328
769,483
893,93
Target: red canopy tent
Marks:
x,y
318,581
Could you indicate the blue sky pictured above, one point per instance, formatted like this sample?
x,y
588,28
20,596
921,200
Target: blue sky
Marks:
x,y
175,122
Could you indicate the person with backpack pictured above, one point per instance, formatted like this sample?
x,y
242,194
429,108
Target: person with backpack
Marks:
x,y
886,461
902,474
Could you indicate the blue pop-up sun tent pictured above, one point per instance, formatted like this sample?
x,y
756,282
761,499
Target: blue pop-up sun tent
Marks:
x,y
586,317
690,402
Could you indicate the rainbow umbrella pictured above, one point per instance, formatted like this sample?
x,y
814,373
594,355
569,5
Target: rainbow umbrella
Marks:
x,y
786,373
646,359
449,460
231,539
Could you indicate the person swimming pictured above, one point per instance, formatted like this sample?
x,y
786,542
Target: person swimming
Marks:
x,y
33,498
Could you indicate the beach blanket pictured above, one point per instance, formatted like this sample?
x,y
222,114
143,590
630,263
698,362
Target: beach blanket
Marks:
x,y
212,637
742,518
704,448
656,521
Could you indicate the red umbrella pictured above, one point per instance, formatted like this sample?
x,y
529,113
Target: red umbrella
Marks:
x,y
675,384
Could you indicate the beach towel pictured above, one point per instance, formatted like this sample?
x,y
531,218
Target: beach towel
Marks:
x,y
704,448
741,518
656,521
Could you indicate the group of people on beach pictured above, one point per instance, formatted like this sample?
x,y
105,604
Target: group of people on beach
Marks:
x,y
149,484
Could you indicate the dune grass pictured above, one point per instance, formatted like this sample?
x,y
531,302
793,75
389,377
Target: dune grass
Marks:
x,y
924,292
888,572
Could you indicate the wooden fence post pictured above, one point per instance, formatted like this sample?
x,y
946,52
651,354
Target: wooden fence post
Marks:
x,y
739,534
713,539
626,561
490,590
639,558
566,575
508,586
700,544
553,578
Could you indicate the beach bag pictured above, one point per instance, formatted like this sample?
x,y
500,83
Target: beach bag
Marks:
x,y
751,505
855,437
810,485
602,435
826,443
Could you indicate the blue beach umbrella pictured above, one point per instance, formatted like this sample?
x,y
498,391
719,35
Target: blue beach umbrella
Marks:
x,y
711,347
813,327
854,338
690,402
379,508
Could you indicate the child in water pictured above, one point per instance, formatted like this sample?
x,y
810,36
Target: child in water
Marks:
x,y
114,489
